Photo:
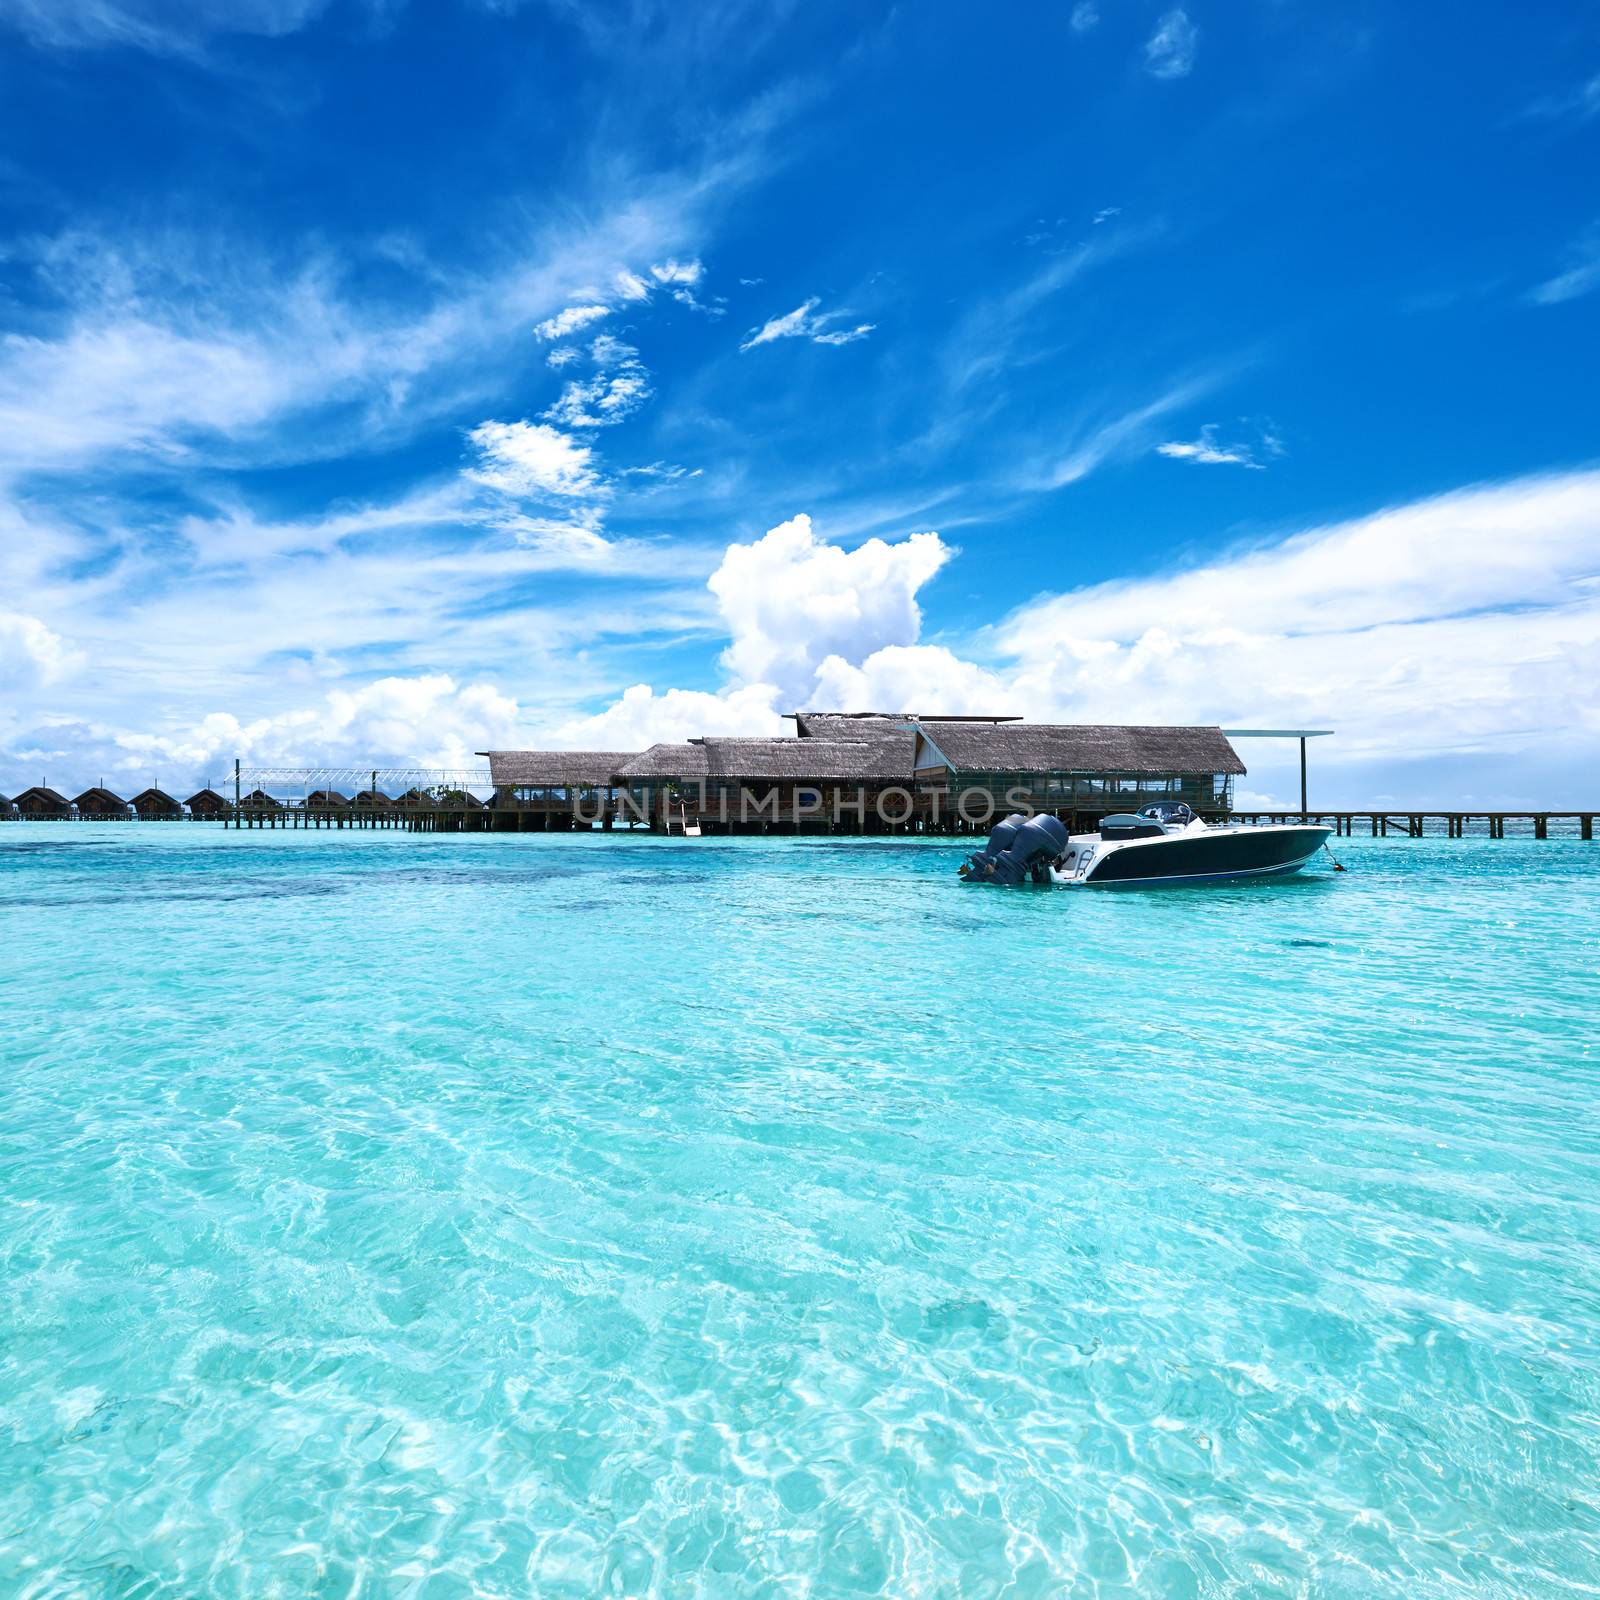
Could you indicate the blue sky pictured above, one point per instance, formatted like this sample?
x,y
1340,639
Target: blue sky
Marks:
x,y
382,381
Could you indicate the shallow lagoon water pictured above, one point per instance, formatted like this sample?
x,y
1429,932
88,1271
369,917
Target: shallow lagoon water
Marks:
x,y
545,1216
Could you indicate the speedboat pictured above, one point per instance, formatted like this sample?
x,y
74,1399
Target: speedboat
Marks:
x,y
1160,844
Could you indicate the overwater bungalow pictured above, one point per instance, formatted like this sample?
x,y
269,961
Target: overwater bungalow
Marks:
x,y
413,800
41,804
156,805
101,805
326,800
260,800
206,803
372,800
6,807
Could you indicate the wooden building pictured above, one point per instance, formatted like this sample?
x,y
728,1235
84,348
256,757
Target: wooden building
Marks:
x,y
101,805
41,804
6,807
326,800
205,804
554,788
372,800
1071,769
413,800
260,800
156,805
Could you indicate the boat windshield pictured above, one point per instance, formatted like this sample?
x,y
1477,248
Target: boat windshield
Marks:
x,y
1170,814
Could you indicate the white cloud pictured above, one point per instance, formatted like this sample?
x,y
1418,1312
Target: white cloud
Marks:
x,y
643,717
1578,105
430,720
562,356
791,600
531,458
1457,634
153,25
620,385
688,273
801,323
571,320
1097,440
631,286
1169,52
30,653
1105,214
1085,15
1209,451
1580,277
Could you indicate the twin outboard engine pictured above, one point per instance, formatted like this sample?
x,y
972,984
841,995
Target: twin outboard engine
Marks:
x,y
1018,849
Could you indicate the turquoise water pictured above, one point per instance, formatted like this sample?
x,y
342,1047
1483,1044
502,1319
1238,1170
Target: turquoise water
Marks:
x,y
532,1216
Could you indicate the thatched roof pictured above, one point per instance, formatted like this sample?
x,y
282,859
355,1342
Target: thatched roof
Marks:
x,y
41,798
415,799
1086,748
373,800
553,769
326,799
260,800
98,800
683,761
206,800
819,760
154,799
838,725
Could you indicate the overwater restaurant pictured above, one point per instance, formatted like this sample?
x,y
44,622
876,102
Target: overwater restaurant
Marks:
x,y
868,773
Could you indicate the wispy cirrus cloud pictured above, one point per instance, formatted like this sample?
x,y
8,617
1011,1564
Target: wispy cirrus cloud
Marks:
x,y
1576,105
1170,51
1580,275
804,322
1210,451
152,25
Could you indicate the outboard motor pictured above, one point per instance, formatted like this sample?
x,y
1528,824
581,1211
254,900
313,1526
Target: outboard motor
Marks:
x,y
1018,848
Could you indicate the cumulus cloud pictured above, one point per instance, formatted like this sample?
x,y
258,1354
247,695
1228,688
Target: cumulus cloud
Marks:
x,y
1169,52
430,720
30,653
644,717
1458,630
804,323
531,458
791,600
570,321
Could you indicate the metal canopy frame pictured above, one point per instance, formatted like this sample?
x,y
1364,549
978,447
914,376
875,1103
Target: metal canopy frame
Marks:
x,y
1302,734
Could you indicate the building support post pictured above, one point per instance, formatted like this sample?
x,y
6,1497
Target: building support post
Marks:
x,y
1302,777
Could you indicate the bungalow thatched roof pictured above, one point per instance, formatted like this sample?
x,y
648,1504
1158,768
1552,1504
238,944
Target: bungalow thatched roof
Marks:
x,y
98,800
260,800
153,799
326,800
415,799
554,769
683,761
206,800
41,798
1085,748
817,760
373,800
